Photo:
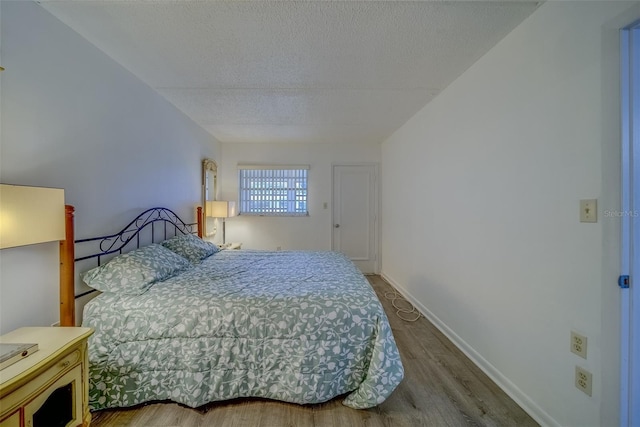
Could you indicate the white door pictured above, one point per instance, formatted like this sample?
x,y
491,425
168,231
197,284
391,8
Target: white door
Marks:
x,y
355,213
630,215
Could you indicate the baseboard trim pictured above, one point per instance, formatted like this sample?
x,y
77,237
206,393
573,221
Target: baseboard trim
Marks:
x,y
496,376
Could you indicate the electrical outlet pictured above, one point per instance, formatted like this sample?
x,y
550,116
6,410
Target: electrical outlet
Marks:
x,y
579,344
589,210
583,380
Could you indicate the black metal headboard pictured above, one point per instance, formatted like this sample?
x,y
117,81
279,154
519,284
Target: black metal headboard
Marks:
x,y
164,224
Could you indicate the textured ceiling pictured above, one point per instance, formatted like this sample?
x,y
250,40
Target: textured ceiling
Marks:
x,y
295,71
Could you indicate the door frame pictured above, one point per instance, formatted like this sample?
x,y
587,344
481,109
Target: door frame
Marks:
x,y
376,207
630,225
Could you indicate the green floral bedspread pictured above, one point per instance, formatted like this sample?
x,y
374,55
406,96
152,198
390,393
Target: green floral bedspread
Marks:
x,y
299,327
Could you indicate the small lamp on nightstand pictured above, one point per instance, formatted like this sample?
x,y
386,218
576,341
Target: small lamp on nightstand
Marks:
x,y
221,209
30,215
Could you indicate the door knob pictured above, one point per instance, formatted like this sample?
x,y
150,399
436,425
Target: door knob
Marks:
x,y
337,226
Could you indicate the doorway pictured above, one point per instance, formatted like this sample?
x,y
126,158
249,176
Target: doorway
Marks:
x,y
630,216
355,214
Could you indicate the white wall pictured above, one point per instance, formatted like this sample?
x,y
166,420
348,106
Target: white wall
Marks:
x,y
73,118
310,233
492,249
490,245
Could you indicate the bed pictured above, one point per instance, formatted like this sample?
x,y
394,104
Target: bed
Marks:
x,y
193,324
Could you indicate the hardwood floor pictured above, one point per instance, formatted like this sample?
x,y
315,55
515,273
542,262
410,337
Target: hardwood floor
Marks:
x,y
442,387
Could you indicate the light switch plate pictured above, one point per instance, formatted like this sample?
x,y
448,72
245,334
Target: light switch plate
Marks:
x,y
589,210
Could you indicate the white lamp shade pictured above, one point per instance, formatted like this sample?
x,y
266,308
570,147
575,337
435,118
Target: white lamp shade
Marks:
x,y
30,215
221,209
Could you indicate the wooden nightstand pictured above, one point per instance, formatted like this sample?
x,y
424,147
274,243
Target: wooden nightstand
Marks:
x,y
228,246
50,386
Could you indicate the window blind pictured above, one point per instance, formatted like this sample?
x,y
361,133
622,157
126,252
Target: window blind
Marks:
x,y
276,190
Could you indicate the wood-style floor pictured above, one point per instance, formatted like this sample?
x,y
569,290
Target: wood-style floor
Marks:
x,y
442,387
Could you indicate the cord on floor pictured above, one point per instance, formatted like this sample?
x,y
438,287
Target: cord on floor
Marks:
x,y
408,313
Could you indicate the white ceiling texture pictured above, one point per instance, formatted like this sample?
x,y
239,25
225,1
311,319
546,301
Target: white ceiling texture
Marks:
x,y
295,71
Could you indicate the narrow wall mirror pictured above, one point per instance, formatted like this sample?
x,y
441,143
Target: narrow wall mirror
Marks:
x,y
209,192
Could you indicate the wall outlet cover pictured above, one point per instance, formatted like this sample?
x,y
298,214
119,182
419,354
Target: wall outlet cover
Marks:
x,y
583,380
579,344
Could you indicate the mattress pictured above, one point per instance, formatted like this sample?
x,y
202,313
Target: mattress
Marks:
x,y
295,326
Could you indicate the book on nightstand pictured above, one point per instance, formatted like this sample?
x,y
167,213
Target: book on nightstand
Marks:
x,y
10,353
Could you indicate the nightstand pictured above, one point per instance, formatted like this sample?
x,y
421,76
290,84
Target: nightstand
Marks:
x,y
50,386
228,246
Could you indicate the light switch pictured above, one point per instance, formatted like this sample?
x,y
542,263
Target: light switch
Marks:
x,y
589,210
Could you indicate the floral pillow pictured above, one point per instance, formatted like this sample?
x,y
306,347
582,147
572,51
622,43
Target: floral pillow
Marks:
x,y
191,247
136,271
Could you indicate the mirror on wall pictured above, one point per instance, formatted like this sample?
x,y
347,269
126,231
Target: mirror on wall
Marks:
x,y
209,192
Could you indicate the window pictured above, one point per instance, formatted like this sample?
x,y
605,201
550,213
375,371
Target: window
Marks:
x,y
273,190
